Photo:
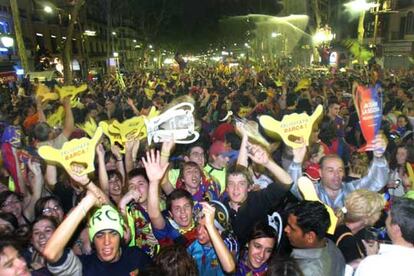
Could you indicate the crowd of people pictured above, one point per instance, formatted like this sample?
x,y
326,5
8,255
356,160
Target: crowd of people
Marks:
x,y
226,204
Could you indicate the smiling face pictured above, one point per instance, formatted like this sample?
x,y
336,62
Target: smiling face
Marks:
x,y
115,185
259,251
107,243
237,188
41,233
181,212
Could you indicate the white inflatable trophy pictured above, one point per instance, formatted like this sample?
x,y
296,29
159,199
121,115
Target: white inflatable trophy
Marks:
x,y
176,123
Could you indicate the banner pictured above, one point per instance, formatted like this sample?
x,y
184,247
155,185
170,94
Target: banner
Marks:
x,y
369,108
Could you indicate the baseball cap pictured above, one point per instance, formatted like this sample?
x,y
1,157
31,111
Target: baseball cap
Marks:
x,y
221,148
105,218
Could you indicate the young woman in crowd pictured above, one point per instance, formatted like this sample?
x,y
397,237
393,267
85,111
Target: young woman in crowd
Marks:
x,y
41,231
397,181
261,244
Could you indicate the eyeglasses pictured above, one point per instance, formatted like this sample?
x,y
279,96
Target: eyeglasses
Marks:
x,y
48,210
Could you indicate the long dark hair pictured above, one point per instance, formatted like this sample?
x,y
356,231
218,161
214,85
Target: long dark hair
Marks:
x,y
410,156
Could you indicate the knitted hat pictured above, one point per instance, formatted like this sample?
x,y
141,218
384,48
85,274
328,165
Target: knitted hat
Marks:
x,y
105,218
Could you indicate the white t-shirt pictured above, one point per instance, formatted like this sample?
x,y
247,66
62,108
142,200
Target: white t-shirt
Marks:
x,y
391,260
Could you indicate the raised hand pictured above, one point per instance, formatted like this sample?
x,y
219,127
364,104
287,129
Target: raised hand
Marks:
x,y
100,151
82,180
208,213
380,145
299,153
155,170
116,151
130,195
99,196
34,167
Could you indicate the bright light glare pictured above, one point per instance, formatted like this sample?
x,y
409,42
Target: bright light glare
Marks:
x,y
48,9
90,33
7,41
275,34
168,61
359,6
116,54
322,36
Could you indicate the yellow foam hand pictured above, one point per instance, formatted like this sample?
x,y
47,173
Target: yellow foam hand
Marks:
x,y
74,152
153,113
303,84
149,93
307,189
43,92
252,130
70,91
56,118
114,135
131,129
89,126
292,127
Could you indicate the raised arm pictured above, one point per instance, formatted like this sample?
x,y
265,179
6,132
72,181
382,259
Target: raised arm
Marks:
x,y
102,173
155,172
242,159
51,176
295,168
37,185
69,125
116,151
56,244
131,152
378,172
131,104
166,150
223,253
261,157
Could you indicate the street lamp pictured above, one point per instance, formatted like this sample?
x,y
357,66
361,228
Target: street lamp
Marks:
x,y
323,35
360,6
7,41
48,9
274,34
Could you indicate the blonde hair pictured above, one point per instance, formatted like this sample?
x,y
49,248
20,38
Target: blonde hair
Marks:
x,y
359,163
362,205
